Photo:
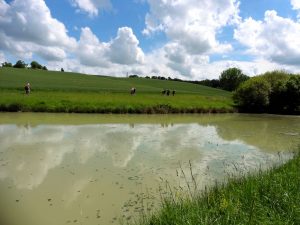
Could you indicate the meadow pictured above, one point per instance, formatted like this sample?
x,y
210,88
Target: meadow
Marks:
x,y
72,92
264,197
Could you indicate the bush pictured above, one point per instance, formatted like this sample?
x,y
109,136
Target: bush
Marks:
x,y
253,95
292,93
272,92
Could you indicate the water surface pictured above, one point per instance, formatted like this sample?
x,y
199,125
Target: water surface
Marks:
x,y
98,169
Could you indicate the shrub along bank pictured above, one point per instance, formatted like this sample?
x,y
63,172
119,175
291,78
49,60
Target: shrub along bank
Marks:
x,y
273,92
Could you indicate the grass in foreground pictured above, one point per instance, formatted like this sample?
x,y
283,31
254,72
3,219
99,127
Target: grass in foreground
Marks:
x,y
270,197
70,92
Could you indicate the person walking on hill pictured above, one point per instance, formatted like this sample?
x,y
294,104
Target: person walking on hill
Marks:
x,y
27,88
132,91
168,92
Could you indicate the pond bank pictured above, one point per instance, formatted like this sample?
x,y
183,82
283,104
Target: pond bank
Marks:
x,y
269,197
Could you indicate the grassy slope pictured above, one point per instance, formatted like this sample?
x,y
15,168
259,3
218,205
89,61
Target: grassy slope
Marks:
x,y
270,197
71,92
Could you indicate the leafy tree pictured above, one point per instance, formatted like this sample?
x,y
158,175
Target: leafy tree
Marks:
x,y
277,80
276,76
278,97
20,64
62,70
133,76
272,92
6,64
292,93
35,65
231,78
253,95
44,68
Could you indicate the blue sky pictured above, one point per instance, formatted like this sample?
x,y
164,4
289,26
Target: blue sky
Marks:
x,y
190,39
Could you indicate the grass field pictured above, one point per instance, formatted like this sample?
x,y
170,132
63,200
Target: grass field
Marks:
x,y
269,197
72,92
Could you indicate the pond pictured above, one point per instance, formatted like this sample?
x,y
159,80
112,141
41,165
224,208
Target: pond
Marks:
x,y
106,169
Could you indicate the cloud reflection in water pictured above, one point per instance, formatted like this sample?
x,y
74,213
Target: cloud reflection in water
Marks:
x,y
29,153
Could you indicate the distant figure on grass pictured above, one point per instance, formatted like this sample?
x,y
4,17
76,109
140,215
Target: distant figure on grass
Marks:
x,y
132,91
27,88
168,92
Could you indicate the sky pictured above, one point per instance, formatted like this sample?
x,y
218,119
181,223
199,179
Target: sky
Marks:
x,y
186,39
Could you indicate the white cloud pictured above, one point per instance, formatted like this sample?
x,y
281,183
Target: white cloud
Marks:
x,y
2,58
192,23
92,7
124,48
275,38
27,27
91,52
51,53
295,4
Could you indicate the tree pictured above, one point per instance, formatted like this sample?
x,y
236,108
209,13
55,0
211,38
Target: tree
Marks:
x,y
44,68
272,92
277,80
20,64
293,94
6,64
231,78
62,70
133,76
35,65
253,95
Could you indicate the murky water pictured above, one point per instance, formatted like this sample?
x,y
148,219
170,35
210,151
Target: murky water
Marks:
x,y
60,169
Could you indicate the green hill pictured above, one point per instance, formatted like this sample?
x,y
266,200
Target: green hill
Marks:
x,y
52,80
74,92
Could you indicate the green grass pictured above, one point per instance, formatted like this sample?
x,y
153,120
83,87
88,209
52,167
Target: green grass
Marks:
x,y
71,92
269,197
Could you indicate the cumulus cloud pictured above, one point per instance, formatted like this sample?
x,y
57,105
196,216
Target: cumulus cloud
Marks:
x,y
295,4
91,7
91,52
27,27
192,23
275,38
123,49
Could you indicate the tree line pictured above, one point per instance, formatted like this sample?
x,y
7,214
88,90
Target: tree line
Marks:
x,y
21,64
